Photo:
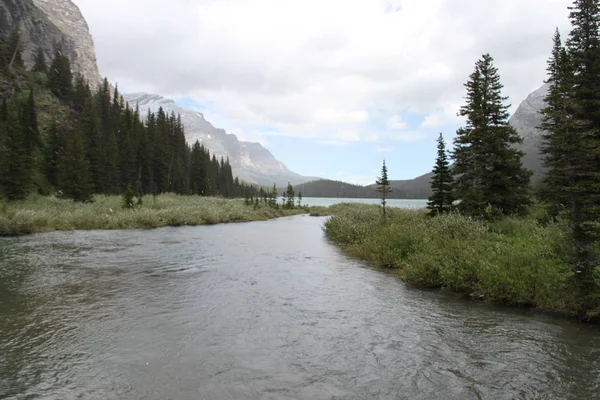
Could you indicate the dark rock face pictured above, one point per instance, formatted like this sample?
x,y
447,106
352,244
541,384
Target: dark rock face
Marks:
x,y
51,24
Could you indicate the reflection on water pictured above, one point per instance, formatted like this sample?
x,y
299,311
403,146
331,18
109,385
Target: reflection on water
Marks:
x,y
265,310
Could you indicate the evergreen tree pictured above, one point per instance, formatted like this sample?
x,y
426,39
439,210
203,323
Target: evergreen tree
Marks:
x,y
198,169
290,196
299,199
560,145
39,63
17,167
487,168
273,196
572,142
60,77
73,174
128,197
383,187
52,150
111,165
442,199
10,52
29,124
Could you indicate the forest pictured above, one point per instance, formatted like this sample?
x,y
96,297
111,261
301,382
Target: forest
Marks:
x,y
61,136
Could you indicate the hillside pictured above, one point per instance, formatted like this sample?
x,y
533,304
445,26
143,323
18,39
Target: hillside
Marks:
x,y
410,189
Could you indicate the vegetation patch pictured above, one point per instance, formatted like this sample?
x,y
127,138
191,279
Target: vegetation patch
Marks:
x,y
514,261
48,213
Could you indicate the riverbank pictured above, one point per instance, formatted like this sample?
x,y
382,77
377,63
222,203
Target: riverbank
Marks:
x,y
513,261
46,214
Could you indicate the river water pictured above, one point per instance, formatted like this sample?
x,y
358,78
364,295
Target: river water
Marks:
x,y
264,310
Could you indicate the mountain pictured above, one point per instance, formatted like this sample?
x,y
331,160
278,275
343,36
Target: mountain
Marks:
x,y
52,24
525,120
335,189
250,162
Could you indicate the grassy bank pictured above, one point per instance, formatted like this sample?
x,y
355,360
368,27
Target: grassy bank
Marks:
x,y
512,261
44,214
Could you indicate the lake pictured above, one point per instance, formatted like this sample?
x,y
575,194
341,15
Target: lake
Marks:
x,y
329,201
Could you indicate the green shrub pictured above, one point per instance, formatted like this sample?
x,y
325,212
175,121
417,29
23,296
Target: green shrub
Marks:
x,y
512,260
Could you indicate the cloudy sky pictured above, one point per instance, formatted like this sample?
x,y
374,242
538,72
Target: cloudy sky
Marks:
x,y
331,87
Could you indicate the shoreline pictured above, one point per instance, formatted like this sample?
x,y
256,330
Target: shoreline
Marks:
x,y
43,214
513,263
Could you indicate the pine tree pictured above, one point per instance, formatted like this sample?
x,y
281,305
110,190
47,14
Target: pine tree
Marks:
x,y
10,52
383,187
442,199
299,199
290,196
73,173
487,168
111,164
572,142
29,124
584,53
273,196
53,148
60,77
39,63
17,167
198,169
559,144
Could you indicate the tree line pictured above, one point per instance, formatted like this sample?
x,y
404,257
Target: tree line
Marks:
x,y
95,143
487,179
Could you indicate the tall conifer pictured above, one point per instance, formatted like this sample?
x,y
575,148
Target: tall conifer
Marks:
x,y
489,176
441,183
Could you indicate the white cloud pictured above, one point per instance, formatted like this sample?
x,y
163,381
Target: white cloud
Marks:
x,y
315,68
385,149
251,136
396,122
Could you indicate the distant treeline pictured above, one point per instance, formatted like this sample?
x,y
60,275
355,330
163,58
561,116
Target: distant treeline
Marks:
x,y
418,188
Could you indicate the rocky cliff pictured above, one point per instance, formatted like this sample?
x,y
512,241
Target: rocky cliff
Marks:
x,y
250,162
48,24
525,120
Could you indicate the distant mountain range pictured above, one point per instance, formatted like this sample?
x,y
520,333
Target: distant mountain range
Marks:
x,y
250,162
418,188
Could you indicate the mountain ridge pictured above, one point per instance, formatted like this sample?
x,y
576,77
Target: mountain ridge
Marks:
x,y
250,161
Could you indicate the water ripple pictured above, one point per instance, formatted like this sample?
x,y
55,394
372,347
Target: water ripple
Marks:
x,y
260,311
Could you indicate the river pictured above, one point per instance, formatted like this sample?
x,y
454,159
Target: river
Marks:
x,y
263,310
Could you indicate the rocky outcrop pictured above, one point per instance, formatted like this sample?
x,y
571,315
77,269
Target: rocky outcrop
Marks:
x,y
525,120
49,24
250,162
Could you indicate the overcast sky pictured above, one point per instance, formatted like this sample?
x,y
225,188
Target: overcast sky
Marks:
x,y
331,87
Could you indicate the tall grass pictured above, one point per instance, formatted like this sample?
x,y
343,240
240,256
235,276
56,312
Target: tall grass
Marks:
x,y
43,214
513,261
